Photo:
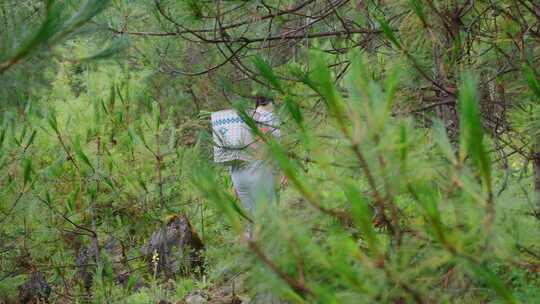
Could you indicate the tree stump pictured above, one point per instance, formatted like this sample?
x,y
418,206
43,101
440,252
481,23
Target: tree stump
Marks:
x,y
177,250
35,290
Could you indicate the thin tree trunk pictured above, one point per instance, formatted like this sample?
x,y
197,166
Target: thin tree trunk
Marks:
x,y
95,239
536,171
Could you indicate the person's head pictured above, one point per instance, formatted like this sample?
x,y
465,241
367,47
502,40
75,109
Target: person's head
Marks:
x,y
261,100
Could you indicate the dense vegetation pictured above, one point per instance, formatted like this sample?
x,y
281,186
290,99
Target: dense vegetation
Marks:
x,y
410,138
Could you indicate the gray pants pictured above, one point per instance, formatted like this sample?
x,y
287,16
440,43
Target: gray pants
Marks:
x,y
254,183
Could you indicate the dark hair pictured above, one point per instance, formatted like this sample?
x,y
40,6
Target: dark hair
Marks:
x,y
261,100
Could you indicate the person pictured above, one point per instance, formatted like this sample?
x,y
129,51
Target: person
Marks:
x,y
254,181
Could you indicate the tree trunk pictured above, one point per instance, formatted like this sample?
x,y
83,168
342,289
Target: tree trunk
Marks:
x,y
536,171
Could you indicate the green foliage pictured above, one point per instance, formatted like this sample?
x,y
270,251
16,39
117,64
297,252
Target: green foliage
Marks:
x,y
404,187
351,247
266,71
471,127
389,33
418,8
55,27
